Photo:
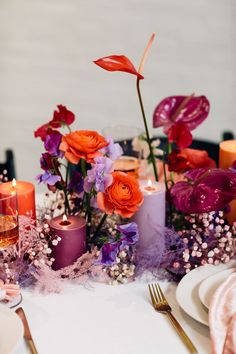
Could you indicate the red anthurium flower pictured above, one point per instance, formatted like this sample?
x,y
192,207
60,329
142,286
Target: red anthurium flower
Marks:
x,y
180,134
62,116
186,109
205,190
118,63
185,159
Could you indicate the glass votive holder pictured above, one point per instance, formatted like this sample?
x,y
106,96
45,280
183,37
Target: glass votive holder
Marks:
x,y
9,231
127,164
123,135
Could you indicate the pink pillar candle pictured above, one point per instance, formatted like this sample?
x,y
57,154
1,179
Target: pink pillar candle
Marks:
x,y
72,231
25,193
150,217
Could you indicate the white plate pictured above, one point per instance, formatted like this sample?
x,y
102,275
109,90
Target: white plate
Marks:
x,y
187,290
11,330
209,285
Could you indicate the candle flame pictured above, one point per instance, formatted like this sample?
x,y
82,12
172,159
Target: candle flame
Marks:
x,y
64,218
149,183
13,183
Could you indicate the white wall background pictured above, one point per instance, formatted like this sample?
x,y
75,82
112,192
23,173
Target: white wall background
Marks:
x,y
46,53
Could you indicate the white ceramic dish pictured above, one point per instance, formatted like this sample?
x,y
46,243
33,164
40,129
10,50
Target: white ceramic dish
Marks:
x,y
11,330
187,292
209,285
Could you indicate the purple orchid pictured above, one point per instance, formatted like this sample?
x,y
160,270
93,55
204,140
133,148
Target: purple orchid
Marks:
x,y
76,183
52,143
113,150
108,254
190,110
205,190
129,234
99,177
48,178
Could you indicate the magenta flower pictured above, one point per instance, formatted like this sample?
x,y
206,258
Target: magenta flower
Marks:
x,y
205,190
46,161
178,115
187,109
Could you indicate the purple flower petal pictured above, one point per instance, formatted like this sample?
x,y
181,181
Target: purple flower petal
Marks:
x,y
113,150
52,143
108,254
99,177
193,113
206,190
76,183
48,178
130,234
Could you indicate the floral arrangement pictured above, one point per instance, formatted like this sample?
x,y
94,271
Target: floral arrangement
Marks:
x,y
78,169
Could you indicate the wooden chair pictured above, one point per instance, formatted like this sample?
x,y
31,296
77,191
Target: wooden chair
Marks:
x,y
7,168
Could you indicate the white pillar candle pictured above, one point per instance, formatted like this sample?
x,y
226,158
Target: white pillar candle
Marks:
x,y
150,217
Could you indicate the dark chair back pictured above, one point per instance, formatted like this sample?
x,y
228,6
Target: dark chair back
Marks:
x,y
7,168
211,147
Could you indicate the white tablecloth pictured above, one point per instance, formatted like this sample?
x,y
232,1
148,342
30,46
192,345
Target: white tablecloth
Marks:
x,y
103,319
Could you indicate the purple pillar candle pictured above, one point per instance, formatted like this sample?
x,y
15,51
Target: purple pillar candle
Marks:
x,y
150,217
72,231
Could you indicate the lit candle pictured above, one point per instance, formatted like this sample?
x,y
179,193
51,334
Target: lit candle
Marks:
x,y
72,231
25,193
150,217
226,160
9,232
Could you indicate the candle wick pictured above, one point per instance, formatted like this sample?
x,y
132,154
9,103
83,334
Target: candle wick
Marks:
x,y
65,223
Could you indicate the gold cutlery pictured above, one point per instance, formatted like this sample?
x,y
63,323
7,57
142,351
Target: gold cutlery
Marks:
x,y
20,312
161,305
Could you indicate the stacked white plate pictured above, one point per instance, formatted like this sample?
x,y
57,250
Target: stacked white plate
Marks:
x,y
195,290
11,330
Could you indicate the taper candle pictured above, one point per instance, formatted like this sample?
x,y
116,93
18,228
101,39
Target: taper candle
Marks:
x,y
25,193
150,217
72,231
226,160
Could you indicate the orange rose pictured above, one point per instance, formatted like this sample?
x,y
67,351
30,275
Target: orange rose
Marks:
x,y
122,197
83,144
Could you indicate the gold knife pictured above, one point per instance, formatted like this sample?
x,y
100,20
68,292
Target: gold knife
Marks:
x,y
20,312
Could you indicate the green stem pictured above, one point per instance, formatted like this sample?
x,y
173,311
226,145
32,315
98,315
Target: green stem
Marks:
x,y
103,219
88,214
169,149
63,185
83,167
67,172
146,130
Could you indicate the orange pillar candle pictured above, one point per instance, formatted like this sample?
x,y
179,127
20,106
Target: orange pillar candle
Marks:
x,y
226,160
227,153
25,192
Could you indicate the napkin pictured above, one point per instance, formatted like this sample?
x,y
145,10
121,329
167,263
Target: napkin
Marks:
x,y
222,317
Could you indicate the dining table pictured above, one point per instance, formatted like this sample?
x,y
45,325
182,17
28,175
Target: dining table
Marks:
x,y
103,319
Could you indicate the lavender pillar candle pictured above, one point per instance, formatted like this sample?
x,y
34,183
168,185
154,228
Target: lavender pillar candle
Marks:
x,y
150,217
72,231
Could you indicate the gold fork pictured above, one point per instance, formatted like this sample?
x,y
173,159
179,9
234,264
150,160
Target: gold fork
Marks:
x,y
161,305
